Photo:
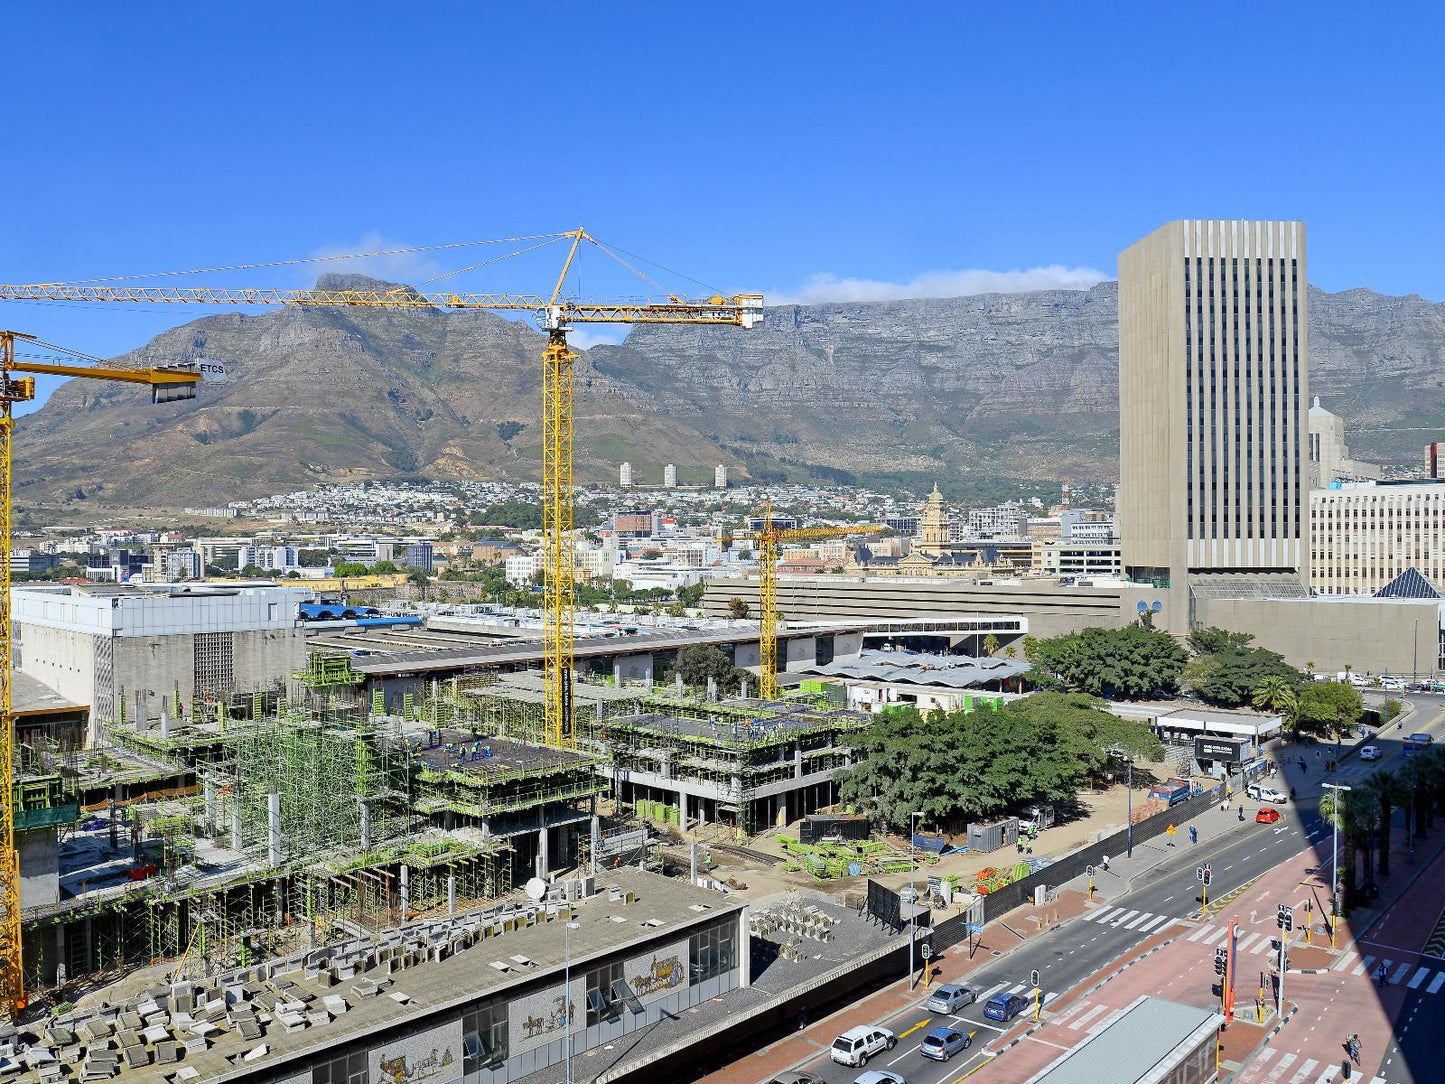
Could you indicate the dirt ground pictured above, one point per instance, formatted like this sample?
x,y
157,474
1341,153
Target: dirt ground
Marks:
x,y
1104,812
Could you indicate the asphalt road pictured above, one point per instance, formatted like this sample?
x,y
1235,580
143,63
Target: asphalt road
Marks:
x,y
1086,947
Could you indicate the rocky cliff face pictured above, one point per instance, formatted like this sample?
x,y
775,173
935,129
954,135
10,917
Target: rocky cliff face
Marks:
x,y
1023,385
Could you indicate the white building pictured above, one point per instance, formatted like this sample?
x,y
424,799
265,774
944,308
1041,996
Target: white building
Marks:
x,y
269,558
522,568
1060,558
1329,454
594,562
669,476
720,477
624,476
184,564
1364,534
104,646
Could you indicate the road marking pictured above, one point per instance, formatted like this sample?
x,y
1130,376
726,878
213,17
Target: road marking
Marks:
x,y
1436,983
915,1027
1244,944
1304,1071
991,991
1106,1021
1399,974
1104,914
910,1050
1266,945
1125,919
1363,966
981,1024
1019,987
1285,1061
1050,996
1216,933
1081,1021
1168,898
1418,977
1141,918
1153,922
1197,934
1328,1075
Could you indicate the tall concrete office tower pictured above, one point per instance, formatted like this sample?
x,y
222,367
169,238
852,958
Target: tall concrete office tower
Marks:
x,y
669,476
624,475
1213,404
720,477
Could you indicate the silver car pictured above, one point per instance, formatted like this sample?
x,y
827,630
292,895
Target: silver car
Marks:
x,y
950,998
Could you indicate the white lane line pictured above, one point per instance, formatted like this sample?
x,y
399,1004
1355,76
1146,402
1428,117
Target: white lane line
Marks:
x,y
1304,1070
906,1053
1399,974
1084,1019
1285,1061
1244,944
1363,966
1216,933
1265,1054
1328,1075
1125,919
1141,918
1019,987
1152,922
1436,982
1418,977
1197,934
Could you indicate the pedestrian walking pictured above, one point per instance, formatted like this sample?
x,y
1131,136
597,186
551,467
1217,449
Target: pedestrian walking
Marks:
x,y
1105,863
1193,834
1381,976
1353,1046
1171,832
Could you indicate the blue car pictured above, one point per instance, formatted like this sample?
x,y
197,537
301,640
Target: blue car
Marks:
x,y
940,1044
1005,1007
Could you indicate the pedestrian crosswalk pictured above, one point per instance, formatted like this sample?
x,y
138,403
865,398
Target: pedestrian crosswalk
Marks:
x,y
1142,921
1275,1066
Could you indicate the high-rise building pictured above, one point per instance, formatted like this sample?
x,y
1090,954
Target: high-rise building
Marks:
x,y
624,476
669,476
720,477
1434,459
1213,403
1365,534
1330,460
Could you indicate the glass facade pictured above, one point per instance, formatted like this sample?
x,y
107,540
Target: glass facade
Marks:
x,y
349,1069
713,950
484,1036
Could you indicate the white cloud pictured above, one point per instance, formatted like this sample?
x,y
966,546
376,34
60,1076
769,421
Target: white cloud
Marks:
x,y
586,336
406,267
827,287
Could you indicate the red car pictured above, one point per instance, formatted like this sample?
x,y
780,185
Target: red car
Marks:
x,y
1266,815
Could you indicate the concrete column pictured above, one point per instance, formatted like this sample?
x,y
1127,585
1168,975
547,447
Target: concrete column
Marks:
x,y
743,689
712,688
701,812
682,810
236,834
210,797
596,829
273,820
365,825
617,674
165,718
405,891
451,893
60,975
677,681
544,859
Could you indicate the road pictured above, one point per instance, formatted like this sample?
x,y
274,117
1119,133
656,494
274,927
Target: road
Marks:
x,y
1087,946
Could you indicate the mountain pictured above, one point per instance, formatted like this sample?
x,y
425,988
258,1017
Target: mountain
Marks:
x,y
1020,385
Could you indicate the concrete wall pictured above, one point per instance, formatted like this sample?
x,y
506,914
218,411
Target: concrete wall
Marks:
x,y
1378,636
64,659
39,867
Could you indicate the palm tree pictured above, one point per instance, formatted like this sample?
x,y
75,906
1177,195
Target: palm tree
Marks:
x,y
990,644
1275,694
1387,790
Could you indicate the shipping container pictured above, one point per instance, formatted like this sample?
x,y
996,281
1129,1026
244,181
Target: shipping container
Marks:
x,y
992,836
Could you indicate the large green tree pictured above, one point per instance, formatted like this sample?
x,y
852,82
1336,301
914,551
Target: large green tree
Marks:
x,y
1226,668
1328,708
1131,663
961,766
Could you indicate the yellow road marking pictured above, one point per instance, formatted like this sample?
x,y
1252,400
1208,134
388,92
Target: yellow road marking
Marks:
x,y
915,1027
970,1071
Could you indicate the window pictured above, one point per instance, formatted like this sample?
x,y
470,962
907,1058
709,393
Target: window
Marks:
x,y
484,1037
713,950
604,1001
349,1069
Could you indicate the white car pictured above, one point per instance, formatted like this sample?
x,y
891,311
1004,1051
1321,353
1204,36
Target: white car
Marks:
x,y
1394,684
1369,752
1265,794
856,1045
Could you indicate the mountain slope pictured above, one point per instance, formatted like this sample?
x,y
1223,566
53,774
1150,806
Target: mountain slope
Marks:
x,y
1023,385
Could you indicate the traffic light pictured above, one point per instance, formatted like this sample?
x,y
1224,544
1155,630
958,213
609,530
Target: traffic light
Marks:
x,y
1221,961
1285,918
1208,875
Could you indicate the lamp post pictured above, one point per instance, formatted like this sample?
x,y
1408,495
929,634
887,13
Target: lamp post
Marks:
x,y
1129,786
1335,860
913,902
567,993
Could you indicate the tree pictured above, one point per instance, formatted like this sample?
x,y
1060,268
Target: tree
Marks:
x,y
701,663
1328,708
990,644
252,572
1226,668
1275,694
1129,663
738,609
384,568
677,609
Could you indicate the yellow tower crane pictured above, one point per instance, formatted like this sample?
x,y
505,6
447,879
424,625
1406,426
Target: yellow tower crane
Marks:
x,y
554,316
769,540
167,385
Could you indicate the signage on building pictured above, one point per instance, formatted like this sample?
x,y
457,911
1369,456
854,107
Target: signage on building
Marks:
x,y
1219,749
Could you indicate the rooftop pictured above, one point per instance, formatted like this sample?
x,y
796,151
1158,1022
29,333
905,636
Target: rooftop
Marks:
x,y
1139,1047
918,668
285,1009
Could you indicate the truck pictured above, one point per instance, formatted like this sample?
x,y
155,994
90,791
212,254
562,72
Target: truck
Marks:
x,y
1172,791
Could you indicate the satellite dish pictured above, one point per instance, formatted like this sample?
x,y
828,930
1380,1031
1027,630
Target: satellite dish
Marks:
x,y
1141,605
1157,606
536,888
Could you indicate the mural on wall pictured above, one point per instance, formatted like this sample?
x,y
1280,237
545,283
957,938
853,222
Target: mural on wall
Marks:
x,y
664,974
661,972
429,1057
536,1024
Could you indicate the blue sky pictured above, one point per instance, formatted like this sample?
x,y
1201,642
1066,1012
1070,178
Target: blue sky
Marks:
x,y
788,148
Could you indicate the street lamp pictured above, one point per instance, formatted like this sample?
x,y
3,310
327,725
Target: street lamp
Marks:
x,y
1129,785
1334,860
912,903
567,992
